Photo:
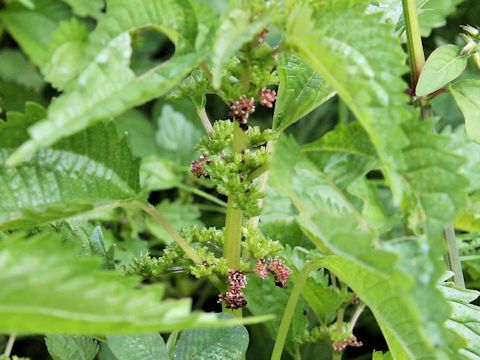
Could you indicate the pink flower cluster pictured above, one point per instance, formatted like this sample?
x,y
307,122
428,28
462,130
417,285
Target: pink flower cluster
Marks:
x,y
242,109
268,97
197,168
261,37
342,344
276,267
234,297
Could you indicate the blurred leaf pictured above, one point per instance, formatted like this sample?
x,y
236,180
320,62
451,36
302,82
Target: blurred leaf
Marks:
x,y
14,67
467,96
97,248
465,317
46,288
227,343
62,347
157,173
443,65
434,14
107,86
300,91
91,169
140,132
33,28
176,135
236,29
91,8
138,347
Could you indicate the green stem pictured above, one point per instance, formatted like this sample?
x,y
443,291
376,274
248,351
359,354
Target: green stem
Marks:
x,y
232,247
417,61
234,218
414,40
290,309
203,194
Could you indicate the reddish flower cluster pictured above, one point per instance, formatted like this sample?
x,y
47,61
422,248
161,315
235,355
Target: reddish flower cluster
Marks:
x,y
268,97
276,267
197,168
242,109
261,37
342,344
234,297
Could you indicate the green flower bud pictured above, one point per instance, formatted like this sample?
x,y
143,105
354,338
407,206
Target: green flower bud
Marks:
x,y
476,59
470,30
469,48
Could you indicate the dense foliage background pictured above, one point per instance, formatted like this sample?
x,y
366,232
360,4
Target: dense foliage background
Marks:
x,y
45,49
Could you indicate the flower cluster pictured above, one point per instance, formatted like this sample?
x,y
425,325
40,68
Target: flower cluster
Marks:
x,y
342,344
276,267
268,97
241,110
234,297
261,37
197,167
472,47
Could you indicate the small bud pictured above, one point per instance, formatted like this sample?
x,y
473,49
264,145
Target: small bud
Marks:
x,y
197,167
261,37
476,59
261,269
234,297
241,109
470,30
280,272
468,49
268,97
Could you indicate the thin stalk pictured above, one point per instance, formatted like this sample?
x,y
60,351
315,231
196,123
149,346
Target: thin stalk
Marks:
x,y
9,347
202,194
290,309
355,317
202,114
417,61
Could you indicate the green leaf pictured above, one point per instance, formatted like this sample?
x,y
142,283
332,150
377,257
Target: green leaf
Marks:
x,y
443,65
65,53
434,13
300,91
467,95
47,288
465,317
363,61
138,347
176,135
97,248
229,343
237,29
91,8
62,347
107,86
15,67
33,28
91,169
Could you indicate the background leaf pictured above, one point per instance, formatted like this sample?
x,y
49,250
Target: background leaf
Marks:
x,y
228,343
467,95
138,347
71,347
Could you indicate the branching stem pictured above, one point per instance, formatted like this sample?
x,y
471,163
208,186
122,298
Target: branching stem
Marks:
x,y
9,347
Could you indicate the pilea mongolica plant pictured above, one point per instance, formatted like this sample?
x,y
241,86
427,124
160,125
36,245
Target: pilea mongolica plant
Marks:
x,y
243,179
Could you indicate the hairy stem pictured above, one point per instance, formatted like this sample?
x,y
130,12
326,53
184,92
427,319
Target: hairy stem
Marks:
x,y
9,347
263,180
417,61
355,317
290,309
202,114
